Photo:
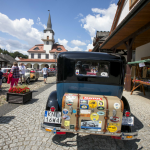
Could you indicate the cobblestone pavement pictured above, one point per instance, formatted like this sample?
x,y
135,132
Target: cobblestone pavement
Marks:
x,y
33,86
20,129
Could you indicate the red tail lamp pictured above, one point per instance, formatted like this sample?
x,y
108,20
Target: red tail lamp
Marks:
x,y
60,133
127,114
52,109
116,137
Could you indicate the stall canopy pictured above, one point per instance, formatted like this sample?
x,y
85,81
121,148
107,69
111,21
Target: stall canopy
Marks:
x,y
140,61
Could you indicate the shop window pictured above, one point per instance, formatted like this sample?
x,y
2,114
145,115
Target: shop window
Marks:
x,y
132,3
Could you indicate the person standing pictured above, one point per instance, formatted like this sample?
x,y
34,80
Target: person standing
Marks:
x,y
45,72
1,74
15,77
22,69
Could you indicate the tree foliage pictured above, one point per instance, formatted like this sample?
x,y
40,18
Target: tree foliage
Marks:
x,y
13,54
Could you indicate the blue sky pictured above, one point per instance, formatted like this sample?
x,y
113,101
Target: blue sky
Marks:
x,y
74,22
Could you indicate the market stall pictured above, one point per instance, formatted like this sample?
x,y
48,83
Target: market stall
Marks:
x,y
141,71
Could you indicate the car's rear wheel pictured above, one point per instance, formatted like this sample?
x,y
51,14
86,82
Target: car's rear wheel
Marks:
x,y
4,80
28,80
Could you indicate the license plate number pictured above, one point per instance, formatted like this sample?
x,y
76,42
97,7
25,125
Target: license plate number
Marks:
x,y
52,117
129,121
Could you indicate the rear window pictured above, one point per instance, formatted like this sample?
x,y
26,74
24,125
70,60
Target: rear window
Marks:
x,y
4,70
92,68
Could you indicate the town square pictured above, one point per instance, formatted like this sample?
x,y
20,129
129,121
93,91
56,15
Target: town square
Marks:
x,y
75,75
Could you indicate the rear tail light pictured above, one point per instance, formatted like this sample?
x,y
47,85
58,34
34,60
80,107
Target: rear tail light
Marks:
x,y
116,137
60,132
52,109
127,114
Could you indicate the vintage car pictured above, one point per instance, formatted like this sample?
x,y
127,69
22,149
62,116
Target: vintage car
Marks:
x,y
89,103
6,72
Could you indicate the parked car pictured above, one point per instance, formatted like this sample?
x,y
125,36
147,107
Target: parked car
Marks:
x,y
6,72
105,106
51,71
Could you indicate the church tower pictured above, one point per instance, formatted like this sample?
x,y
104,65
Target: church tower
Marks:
x,y
48,36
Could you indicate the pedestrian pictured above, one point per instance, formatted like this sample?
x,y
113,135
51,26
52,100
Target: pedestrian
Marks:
x,y
1,74
22,69
15,77
45,72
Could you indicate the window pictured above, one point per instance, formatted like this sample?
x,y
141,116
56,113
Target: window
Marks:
x,y
47,56
59,49
47,42
47,37
36,48
32,55
39,56
92,68
132,3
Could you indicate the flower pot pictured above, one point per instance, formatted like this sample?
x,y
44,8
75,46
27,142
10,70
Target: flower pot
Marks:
x,y
19,98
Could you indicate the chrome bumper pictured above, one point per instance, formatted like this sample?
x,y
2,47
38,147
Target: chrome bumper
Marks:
x,y
122,134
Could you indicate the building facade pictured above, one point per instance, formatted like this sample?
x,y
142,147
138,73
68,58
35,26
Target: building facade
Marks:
x,y
44,54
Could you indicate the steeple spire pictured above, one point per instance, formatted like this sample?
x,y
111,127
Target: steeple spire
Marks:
x,y
49,25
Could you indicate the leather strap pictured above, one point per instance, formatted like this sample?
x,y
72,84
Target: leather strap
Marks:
x,y
106,117
122,106
77,116
63,102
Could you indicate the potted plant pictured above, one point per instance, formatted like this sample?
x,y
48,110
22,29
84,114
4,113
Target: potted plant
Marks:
x,y
19,94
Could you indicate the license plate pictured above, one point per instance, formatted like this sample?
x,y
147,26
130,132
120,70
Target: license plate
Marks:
x,y
52,117
128,121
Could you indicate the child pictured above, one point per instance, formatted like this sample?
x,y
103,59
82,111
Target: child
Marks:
x,y
1,74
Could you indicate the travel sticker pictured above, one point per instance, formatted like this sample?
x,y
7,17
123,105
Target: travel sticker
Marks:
x,y
66,117
100,125
84,106
94,116
92,103
71,126
100,113
65,111
71,97
116,105
67,123
69,102
85,111
74,111
112,128
101,103
114,119
77,72
84,115
82,101
100,108
113,124
92,98
90,125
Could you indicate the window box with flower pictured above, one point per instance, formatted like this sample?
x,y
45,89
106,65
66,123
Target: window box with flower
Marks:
x,y
19,94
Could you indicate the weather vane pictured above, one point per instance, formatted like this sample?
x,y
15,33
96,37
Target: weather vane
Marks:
x,y
48,10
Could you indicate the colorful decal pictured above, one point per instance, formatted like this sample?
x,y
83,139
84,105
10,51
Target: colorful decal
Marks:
x,y
74,111
101,103
85,111
104,74
82,101
67,123
69,102
92,98
116,105
92,104
112,128
84,106
71,126
65,111
84,115
100,108
90,125
77,72
113,124
100,113
100,125
94,116
114,119
71,97
66,117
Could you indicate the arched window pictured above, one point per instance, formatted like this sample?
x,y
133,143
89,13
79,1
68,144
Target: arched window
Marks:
x,y
47,42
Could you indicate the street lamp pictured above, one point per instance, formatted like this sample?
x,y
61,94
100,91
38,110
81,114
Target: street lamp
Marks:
x,y
55,62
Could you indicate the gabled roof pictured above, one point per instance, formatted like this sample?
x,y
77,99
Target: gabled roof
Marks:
x,y
2,59
7,58
56,48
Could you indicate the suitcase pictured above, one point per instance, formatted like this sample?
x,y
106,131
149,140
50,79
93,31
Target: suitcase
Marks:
x,y
90,113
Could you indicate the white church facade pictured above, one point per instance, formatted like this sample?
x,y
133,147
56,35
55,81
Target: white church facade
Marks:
x,y
43,54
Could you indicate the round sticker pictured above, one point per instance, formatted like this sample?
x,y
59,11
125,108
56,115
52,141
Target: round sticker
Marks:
x,y
65,111
66,117
94,116
92,103
112,128
69,102
100,113
116,105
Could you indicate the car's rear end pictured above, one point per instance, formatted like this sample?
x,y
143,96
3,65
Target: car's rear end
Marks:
x,y
108,81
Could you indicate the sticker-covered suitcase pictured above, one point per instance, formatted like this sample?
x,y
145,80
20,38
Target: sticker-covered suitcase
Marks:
x,y
88,113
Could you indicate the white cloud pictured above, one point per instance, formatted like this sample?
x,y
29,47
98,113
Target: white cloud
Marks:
x,y
40,23
21,29
90,46
64,42
79,15
101,21
77,43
